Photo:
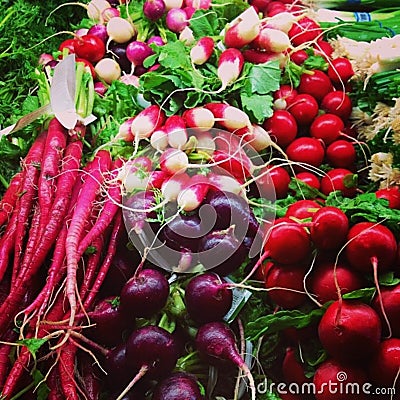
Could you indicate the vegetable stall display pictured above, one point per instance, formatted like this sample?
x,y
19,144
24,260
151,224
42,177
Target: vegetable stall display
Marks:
x,y
201,200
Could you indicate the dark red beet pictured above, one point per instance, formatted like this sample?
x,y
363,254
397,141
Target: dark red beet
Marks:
x,y
145,294
179,385
207,299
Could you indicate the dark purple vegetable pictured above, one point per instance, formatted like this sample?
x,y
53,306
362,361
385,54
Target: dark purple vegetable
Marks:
x,y
207,298
145,293
100,31
154,9
117,51
116,366
178,385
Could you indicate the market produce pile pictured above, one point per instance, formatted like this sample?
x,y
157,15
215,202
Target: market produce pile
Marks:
x,y
201,200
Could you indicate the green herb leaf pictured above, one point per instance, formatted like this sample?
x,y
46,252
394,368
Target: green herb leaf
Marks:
x,y
316,62
33,344
204,23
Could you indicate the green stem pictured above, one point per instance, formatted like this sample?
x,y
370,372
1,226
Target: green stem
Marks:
x,y
4,181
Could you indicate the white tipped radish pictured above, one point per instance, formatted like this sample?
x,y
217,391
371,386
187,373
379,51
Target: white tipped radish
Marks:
x,y
174,161
120,30
169,4
258,138
272,40
174,185
124,131
194,193
159,139
202,50
229,117
176,20
175,128
109,13
244,31
199,118
205,142
225,183
198,4
230,65
186,36
108,70
96,7
282,21
147,121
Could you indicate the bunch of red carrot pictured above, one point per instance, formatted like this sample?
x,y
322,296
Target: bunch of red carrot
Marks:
x,y
56,220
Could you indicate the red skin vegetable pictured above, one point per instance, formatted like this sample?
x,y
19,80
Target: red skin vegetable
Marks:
x,y
10,197
66,368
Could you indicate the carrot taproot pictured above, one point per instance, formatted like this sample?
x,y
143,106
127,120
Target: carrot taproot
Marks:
x,y
111,205
7,244
5,360
9,199
90,188
53,383
66,369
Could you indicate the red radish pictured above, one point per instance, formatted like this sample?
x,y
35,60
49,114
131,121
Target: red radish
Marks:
x,y
202,50
342,154
207,298
173,186
199,118
238,165
350,331
323,48
284,235
391,194
154,9
159,139
282,127
337,103
390,298
329,228
288,281
120,30
69,45
340,70
175,127
176,20
137,52
284,96
194,193
147,121
339,179
230,65
174,161
309,178
275,8
280,179
327,276
332,374
304,108
293,370
244,31
229,117
370,244
298,57
261,57
385,366
302,209
90,47
327,127
303,31
147,286
316,84
306,150
272,40
224,183
100,31
216,341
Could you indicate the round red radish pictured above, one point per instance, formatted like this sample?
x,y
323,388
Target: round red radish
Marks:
x,y
327,127
304,108
309,178
323,285
293,370
316,84
339,179
342,154
90,47
289,279
280,179
305,30
302,209
350,331
329,228
288,242
306,150
299,56
323,48
391,304
337,103
385,366
340,70
392,194
369,243
282,127
332,374
69,45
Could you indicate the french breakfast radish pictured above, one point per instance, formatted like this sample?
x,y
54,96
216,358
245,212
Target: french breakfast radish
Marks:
x,y
229,117
199,118
230,65
147,121
194,193
175,127
202,50
272,40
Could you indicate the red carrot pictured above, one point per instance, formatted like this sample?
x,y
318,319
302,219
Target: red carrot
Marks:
x,y
89,192
111,205
28,192
7,243
66,367
53,383
5,361
10,197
